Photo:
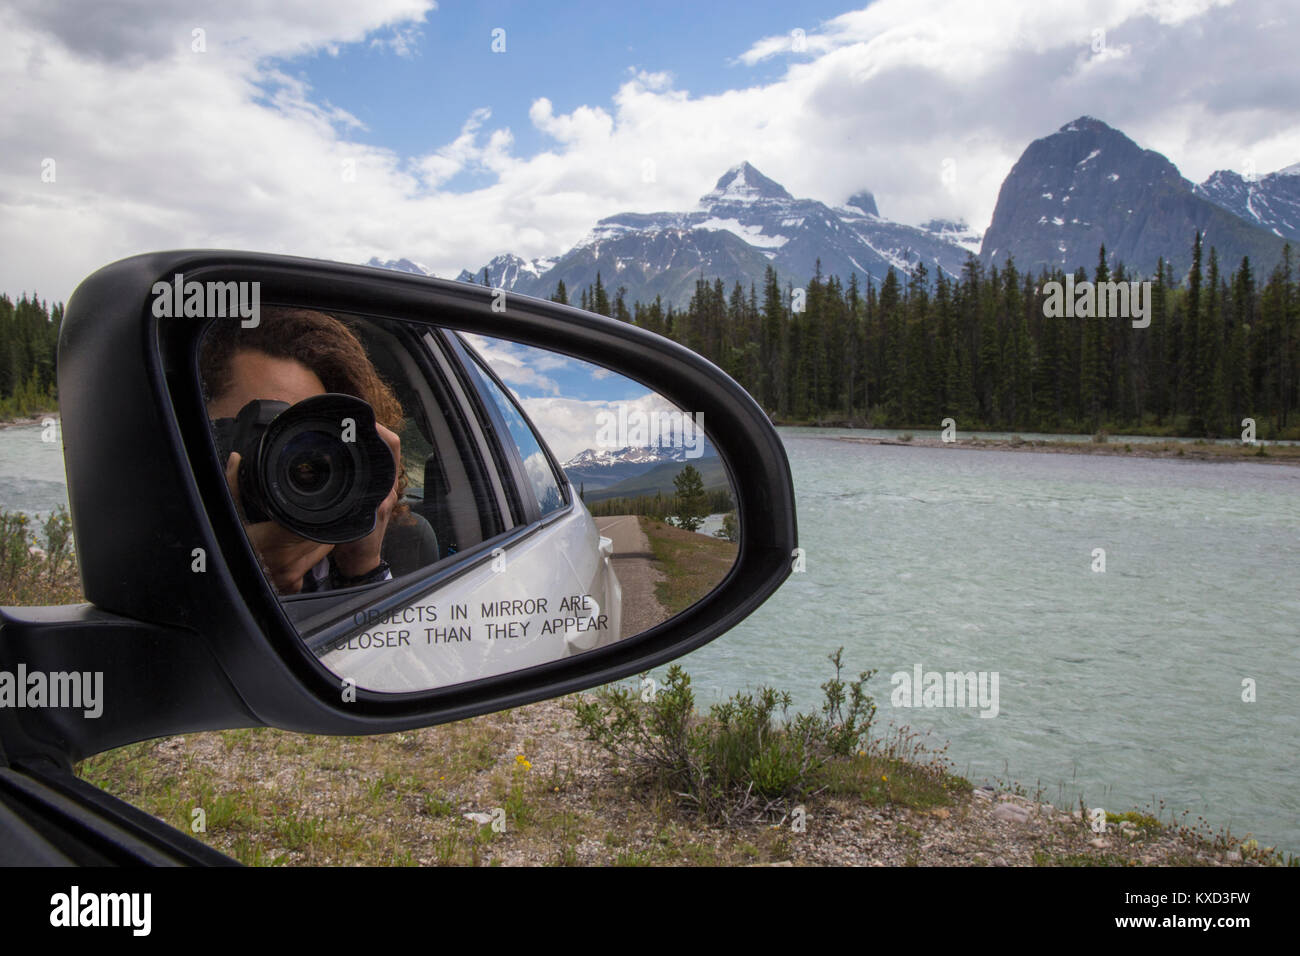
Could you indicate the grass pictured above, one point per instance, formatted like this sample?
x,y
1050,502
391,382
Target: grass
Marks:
x,y
693,564
274,797
1144,822
881,781
28,403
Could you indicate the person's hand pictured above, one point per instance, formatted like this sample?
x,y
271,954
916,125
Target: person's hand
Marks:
x,y
285,556
362,556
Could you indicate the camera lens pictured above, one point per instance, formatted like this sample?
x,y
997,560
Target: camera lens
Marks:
x,y
302,474
316,469
309,473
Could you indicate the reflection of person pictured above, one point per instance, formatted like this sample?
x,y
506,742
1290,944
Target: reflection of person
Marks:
x,y
293,354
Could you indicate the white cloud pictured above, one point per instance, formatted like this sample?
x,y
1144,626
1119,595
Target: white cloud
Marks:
x,y
571,426
159,147
518,365
401,40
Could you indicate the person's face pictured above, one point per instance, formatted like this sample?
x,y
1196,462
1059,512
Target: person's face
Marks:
x,y
256,375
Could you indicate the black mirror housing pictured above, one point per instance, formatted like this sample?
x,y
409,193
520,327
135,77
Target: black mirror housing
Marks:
x,y
180,602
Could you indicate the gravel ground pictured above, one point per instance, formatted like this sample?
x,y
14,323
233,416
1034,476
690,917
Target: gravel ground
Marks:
x,y
981,828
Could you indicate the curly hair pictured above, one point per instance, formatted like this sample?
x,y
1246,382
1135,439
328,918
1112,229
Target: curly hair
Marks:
x,y
321,342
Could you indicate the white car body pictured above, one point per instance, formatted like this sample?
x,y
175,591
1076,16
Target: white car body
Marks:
x,y
521,608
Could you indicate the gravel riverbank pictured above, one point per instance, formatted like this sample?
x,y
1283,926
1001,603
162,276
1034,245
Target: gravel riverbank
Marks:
x,y
427,798
1179,450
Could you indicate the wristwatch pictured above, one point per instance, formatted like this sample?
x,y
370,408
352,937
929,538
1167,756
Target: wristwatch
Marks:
x,y
380,572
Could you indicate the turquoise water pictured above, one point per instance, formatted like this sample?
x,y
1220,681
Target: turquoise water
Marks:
x,y
1123,687
31,470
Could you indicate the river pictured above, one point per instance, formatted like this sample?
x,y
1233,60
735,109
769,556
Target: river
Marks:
x,y
1123,686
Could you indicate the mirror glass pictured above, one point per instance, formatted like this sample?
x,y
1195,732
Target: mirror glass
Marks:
x,y
434,507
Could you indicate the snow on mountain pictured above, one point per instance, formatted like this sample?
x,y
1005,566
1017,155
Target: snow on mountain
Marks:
x,y
637,455
955,231
740,227
507,271
400,265
1088,185
1271,201
1085,185
750,233
599,468
744,183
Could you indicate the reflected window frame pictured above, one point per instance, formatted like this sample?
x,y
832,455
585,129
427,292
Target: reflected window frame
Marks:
x,y
490,382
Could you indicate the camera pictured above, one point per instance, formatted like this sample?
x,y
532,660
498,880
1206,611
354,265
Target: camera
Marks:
x,y
318,468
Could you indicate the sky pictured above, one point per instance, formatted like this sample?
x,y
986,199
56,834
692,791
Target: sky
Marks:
x,y
449,133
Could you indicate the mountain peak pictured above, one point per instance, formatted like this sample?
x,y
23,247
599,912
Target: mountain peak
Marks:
x,y
864,202
1087,124
1271,201
744,183
1090,184
400,265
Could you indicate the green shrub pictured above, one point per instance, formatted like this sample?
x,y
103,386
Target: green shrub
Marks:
x,y
37,571
744,760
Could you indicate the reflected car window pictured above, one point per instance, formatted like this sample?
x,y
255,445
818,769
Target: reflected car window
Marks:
x,y
538,469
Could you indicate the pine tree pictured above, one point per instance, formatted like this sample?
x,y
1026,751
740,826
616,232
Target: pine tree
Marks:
x,y
599,298
690,503
1190,357
772,345
1094,362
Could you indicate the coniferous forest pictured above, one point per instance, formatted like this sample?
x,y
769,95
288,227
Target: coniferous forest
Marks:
x,y
1223,344
29,338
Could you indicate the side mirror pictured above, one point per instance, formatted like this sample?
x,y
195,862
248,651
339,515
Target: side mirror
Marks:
x,y
435,507
442,500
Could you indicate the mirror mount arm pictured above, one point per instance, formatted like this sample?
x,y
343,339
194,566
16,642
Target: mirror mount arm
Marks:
x,y
107,658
